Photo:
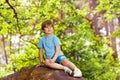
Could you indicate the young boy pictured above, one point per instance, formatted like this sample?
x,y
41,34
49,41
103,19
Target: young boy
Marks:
x,y
54,56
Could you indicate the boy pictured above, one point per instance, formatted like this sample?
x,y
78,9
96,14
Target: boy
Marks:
x,y
54,56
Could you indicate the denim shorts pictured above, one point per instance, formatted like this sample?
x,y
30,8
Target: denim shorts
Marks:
x,y
60,59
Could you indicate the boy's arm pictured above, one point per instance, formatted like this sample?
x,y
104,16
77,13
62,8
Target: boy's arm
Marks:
x,y
56,53
41,55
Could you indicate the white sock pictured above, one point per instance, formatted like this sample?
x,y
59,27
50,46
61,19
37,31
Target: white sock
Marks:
x,y
67,70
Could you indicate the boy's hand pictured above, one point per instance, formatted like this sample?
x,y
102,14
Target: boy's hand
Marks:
x,y
51,60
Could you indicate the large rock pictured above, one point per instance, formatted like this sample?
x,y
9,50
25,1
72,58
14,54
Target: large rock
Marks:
x,y
40,73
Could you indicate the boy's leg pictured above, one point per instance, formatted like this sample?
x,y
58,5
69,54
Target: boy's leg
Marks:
x,y
53,65
77,72
57,66
69,64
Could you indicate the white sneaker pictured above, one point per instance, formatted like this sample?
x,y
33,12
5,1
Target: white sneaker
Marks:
x,y
77,73
68,70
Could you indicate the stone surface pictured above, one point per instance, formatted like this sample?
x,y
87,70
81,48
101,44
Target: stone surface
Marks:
x,y
40,73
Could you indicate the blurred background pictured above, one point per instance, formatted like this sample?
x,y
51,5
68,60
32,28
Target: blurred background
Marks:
x,y
88,29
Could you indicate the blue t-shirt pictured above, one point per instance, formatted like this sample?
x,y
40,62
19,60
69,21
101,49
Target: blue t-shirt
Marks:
x,y
49,44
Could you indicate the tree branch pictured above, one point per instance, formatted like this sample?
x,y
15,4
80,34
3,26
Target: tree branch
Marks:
x,y
16,16
15,13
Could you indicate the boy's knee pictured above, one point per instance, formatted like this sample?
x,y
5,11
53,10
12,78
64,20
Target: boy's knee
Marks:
x,y
66,62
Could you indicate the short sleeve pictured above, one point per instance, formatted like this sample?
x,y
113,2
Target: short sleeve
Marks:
x,y
40,44
57,41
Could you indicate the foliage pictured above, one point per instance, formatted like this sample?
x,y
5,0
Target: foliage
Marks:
x,y
110,7
87,50
94,55
116,33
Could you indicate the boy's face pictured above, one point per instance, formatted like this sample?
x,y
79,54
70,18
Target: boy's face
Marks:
x,y
48,29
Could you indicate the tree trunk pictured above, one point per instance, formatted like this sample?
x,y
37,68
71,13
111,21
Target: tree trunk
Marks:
x,y
93,4
4,50
113,40
10,42
106,28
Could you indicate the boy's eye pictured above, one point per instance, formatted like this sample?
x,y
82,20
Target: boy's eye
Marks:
x,y
48,27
